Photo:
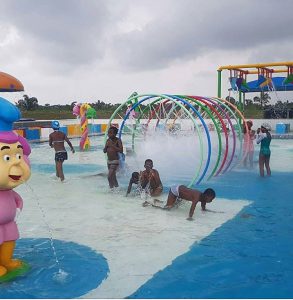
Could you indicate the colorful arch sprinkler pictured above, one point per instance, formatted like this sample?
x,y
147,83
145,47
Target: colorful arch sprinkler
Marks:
x,y
204,116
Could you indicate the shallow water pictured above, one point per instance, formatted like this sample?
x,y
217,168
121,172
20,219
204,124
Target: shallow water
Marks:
x,y
109,246
249,256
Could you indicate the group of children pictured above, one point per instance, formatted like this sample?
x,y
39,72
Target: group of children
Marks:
x,y
149,179
263,137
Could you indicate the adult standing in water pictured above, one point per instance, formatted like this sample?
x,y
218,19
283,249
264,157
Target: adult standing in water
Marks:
x,y
113,147
264,138
56,141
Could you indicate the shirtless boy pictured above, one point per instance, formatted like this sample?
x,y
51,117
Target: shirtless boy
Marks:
x,y
150,179
113,147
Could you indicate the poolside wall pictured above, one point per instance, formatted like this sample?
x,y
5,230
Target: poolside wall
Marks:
x,y
98,127
70,127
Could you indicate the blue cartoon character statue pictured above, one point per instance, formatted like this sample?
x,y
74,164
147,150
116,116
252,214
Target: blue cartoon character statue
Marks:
x,y
14,170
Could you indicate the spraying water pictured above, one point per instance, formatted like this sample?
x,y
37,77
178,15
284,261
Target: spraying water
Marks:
x,y
61,275
176,157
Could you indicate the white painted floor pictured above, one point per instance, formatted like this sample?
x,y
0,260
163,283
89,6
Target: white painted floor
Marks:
x,y
136,241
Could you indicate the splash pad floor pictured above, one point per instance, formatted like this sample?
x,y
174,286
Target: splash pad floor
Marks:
x,y
109,246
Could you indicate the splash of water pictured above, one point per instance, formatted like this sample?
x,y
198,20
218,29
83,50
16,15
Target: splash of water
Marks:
x,y
60,273
178,157
61,276
175,157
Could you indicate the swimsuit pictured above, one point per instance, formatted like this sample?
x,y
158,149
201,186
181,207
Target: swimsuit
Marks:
x,y
113,164
61,156
265,147
265,141
175,190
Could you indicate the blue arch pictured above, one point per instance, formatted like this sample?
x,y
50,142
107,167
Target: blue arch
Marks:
x,y
193,109
232,129
207,134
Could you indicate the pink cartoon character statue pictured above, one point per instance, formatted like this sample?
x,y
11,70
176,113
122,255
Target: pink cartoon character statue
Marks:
x,y
14,170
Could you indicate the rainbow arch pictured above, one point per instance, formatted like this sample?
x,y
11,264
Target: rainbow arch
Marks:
x,y
206,114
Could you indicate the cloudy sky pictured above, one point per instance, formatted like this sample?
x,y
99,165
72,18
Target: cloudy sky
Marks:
x,y
85,50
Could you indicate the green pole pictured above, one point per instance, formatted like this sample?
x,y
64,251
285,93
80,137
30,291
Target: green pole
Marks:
x,y
241,108
240,102
219,83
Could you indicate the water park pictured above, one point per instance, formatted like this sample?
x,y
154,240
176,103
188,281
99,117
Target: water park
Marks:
x,y
76,238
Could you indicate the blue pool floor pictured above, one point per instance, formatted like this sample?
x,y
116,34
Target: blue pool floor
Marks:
x,y
250,256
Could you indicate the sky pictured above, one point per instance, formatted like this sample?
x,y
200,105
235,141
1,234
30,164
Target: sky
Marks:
x,y
88,50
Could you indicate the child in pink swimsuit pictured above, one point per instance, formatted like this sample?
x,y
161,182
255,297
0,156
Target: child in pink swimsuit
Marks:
x,y
248,145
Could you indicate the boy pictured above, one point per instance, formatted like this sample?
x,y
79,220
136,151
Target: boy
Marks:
x,y
113,147
195,196
133,180
56,141
150,179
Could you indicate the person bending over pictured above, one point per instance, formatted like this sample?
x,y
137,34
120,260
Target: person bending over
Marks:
x,y
195,196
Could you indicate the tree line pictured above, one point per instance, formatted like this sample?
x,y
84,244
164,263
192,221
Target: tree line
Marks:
x,y
31,103
281,109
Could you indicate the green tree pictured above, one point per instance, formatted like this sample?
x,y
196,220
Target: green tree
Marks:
x,y
27,103
263,100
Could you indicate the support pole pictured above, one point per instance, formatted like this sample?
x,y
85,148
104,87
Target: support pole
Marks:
x,y
219,83
241,106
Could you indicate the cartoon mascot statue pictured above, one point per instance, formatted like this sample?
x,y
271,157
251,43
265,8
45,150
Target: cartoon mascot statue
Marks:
x,y
14,170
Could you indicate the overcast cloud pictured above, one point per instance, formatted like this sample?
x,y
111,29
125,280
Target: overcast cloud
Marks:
x,y
70,50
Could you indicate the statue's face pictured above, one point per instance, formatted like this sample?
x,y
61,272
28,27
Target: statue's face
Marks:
x,y
14,170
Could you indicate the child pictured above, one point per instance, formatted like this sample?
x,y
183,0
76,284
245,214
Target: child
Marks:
x,y
56,141
264,137
113,147
195,196
248,144
150,179
133,180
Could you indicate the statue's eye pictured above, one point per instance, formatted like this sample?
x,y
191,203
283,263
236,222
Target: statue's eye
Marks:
x,y
6,157
18,156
